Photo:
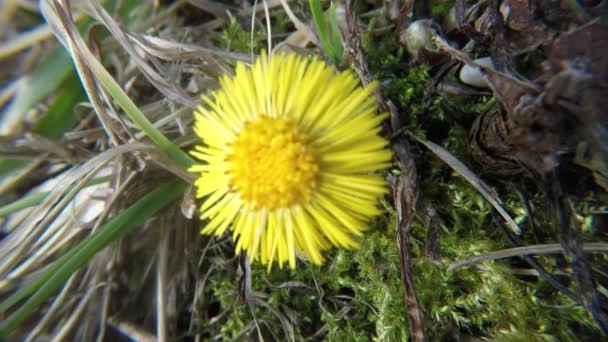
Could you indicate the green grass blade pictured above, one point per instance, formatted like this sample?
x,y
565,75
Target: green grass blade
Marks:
x,y
317,16
332,47
22,203
336,40
44,80
37,198
66,265
60,117
123,100
9,168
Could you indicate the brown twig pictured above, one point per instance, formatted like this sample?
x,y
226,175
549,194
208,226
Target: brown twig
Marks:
x,y
244,282
430,219
354,49
406,195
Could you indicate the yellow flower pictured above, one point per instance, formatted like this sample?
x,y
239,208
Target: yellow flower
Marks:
x,y
289,159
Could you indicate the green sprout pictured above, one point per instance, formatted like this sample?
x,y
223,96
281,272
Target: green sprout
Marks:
x,y
329,35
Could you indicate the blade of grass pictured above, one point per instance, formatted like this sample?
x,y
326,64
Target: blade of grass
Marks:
x,y
470,177
37,198
9,168
44,80
317,16
66,265
60,117
53,75
123,100
336,40
553,248
22,203
333,48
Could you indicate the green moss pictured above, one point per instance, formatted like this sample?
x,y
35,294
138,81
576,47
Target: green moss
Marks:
x,y
358,295
440,8
281,22
237,39
486,299
406,85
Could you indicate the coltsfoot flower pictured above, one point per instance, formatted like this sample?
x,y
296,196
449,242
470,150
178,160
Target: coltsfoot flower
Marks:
x,y
289,159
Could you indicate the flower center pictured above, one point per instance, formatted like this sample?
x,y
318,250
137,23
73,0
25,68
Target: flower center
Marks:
x,y
272,164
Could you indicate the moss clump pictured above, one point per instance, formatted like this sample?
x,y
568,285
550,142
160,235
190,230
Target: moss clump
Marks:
x,y
356,295
405,84
235,38
359,293
440,9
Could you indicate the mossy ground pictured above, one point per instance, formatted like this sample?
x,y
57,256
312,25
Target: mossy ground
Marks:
x,y
358,295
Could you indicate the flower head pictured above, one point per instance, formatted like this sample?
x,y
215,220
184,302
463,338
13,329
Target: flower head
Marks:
x,y
289,159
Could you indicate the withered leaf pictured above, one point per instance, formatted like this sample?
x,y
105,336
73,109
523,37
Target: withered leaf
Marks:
x,y
587,44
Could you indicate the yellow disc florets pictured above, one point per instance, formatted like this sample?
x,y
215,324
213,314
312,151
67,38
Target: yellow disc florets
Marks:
x,y
272,164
